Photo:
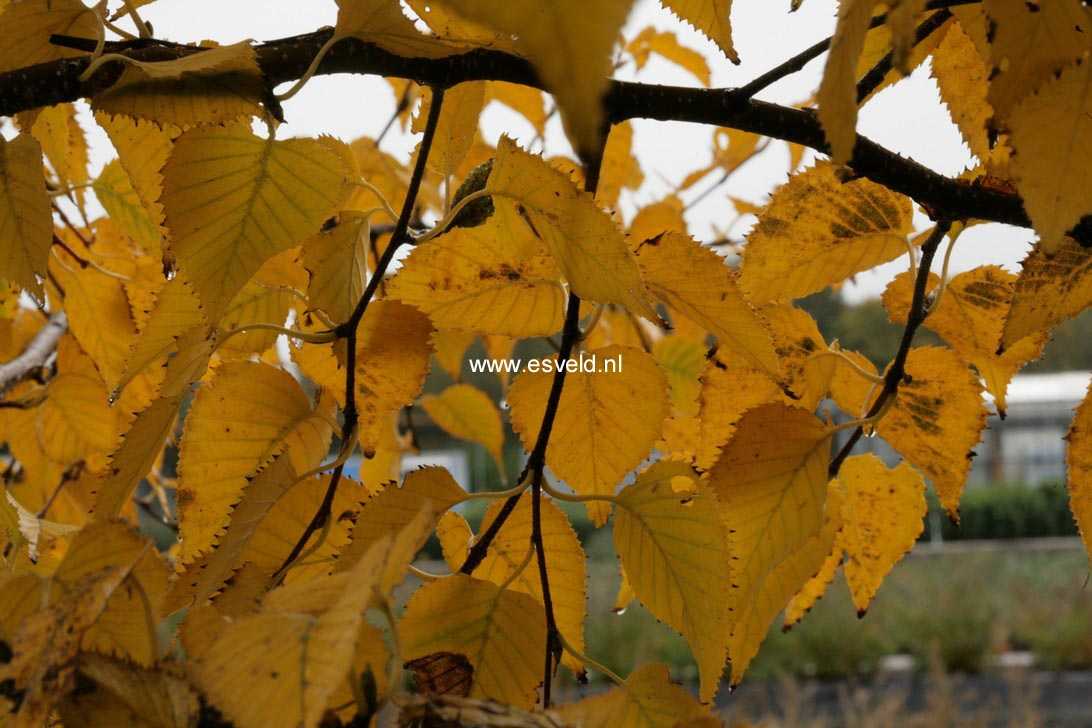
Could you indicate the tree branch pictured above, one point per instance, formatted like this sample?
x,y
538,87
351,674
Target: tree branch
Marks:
x,y
287,59
34,357
897,370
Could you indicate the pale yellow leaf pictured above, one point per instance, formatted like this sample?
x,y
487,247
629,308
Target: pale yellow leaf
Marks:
x,y
587,245
606,423
817,231
28,26
710,18
233,200
963,79
838,89
672,544
336,258
696,282
64,144
620,169
463,104
475,279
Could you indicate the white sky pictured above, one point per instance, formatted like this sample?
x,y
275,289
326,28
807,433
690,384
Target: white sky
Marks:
x,y
908,118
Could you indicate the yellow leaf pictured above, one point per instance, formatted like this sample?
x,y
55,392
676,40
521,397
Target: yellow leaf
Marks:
x,y
708,17
98,314
450,348
963,79
576,72
48,641
1078,460
882,511
666,44
467,413
29,25
838,89
902,19
937,418
606,423
649,699
383,23
392,353
75,421
696,282
64,144
450,26
336,258
233,200
1049,290
729,387
1051,129
26,220
463,104
496,630
143,149
620,168
138,449
771,481
970,317
122,203
126,695
238,422
812,591
665,216
524,100
672,545
817,231
1030,42
683,359
293,660
212,86
582,238
126,627
475,279
626,595
393,507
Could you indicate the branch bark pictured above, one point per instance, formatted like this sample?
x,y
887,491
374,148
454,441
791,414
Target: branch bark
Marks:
x,y
287,59
34,357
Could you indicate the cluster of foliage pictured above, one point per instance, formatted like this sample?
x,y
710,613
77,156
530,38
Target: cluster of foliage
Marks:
x,y
274,606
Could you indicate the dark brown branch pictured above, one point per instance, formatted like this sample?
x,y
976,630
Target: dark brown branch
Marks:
x,y
875,76
287,59
348,329
33,359
919,309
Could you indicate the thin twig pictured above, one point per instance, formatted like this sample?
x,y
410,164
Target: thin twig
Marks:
x,y
895,373
34,357
348,329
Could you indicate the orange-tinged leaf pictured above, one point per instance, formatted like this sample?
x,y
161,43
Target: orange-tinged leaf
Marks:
x,y
75,421
817,231
526,101
466,412
214,86
575,72
666,45
451,347
696,282
620,169
708,17
1078,460
238,422
683,359
1049,290
475,279
838,89
665,216
64,144
223,188
771,481
586,244
963,79
812,591
294,660
649,699
1052,151
672,544
882,511
383,23
26,222
606,423
729,387
126,695
496,630
393,347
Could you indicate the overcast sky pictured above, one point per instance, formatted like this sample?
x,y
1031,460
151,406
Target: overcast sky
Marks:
x,y
908,118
